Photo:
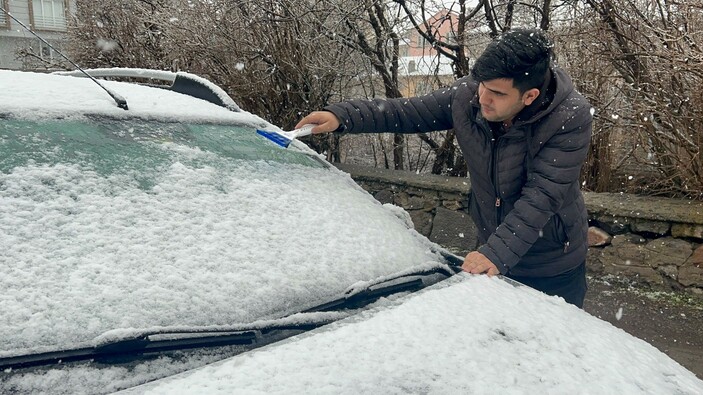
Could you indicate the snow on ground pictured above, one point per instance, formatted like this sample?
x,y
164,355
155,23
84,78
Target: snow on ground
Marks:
x,y
468,335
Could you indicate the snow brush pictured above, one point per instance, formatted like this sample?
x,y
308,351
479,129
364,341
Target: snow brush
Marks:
x,y
284,138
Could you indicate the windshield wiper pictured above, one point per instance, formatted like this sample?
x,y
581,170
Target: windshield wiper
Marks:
x,y
156,343
253,335
405,282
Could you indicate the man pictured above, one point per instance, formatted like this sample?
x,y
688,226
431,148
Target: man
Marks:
x,y
524,132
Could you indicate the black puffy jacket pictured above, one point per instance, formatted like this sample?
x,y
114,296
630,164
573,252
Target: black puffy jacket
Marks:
x,y
525,197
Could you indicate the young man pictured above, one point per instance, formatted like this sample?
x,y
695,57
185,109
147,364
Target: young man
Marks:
x,y
524,132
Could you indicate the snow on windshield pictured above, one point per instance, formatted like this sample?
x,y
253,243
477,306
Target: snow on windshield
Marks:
x,y
467,335
206,241
84,254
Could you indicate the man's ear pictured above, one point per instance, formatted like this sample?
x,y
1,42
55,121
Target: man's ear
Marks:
x,y
529,96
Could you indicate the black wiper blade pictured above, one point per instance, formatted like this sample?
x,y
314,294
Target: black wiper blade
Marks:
x,y
158,342
363,298
405,282
127,347
145,344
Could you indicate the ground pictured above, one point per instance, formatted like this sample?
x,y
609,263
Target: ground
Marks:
x,y
670,321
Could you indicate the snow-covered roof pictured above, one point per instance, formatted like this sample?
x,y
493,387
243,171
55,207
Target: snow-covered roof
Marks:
x,y
47,95
161,75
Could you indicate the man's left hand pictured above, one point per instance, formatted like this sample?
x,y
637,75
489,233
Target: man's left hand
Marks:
x,y
477,263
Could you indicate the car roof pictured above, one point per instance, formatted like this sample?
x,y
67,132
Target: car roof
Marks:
x,y
38,95
469,334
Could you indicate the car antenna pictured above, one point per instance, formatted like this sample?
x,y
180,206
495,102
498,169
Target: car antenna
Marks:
x,y
121,102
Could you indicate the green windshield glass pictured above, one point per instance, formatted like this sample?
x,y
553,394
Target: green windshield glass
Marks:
x,y
109,146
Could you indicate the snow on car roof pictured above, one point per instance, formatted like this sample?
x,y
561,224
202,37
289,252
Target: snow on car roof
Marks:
x,y
156,75
467,335
34,95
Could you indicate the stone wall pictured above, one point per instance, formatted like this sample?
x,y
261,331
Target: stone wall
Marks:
x,y
657,241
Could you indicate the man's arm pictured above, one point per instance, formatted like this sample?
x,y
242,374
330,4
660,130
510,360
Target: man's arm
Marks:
x,y
402,115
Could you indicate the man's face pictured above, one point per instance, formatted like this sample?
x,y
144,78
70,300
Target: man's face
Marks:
x,y
500,101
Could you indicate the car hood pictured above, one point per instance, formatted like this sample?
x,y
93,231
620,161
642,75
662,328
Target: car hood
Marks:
x,y
469,334
173,217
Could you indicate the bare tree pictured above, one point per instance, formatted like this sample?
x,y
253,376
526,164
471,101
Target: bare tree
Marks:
x,y
266,53
372,31
638,61
654,48
119,33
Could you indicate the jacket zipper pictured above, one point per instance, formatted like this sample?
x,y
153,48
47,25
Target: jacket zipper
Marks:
x,y
567,243
499,202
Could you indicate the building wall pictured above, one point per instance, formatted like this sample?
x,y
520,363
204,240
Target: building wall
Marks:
x,y
14,38
421,70
442,24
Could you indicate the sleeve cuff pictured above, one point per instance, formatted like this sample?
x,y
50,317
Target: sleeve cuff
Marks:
x,y
490,254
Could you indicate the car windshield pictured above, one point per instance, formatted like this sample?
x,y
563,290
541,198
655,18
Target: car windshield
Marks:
x,y
109,146
111,226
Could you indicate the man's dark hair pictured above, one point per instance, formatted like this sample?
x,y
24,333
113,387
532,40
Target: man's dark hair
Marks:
x,y
523,55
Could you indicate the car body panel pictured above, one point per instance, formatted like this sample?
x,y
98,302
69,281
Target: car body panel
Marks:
x,y
470,334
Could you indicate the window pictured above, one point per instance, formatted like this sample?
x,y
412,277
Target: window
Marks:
x,y
49,14
412,67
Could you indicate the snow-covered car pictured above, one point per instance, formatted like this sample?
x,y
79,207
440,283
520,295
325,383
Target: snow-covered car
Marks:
x,y
147,230
169,248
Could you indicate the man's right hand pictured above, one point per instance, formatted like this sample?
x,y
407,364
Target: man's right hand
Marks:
x,y
326,122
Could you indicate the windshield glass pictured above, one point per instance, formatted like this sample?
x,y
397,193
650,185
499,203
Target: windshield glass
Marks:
x,y
116,226
109,145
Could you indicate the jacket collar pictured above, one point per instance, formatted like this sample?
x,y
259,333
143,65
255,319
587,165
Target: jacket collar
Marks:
x,y
541,103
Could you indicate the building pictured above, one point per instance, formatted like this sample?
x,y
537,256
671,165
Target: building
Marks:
x,y
421,68
19,49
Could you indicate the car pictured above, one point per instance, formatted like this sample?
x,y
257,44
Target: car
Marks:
x,y
153,242
146,228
